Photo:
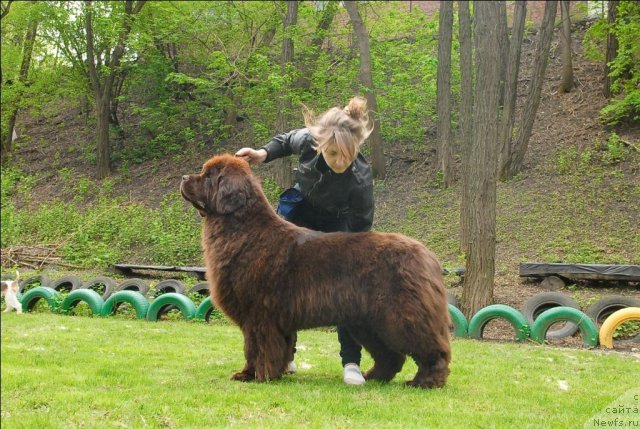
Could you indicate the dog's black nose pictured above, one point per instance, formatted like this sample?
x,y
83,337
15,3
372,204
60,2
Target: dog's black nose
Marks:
x,y
185,177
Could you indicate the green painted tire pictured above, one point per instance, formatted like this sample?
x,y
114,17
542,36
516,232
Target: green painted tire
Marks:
x,y
460,324
161,304
31,297
206,310
513,316
565,314
133,298
89,296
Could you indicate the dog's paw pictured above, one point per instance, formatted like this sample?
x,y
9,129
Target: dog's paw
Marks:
x,y
243,376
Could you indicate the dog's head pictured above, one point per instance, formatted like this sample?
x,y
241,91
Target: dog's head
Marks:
x,y
11,286
223,187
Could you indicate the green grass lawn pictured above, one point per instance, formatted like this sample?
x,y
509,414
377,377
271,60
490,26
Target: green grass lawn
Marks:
x,y
71,371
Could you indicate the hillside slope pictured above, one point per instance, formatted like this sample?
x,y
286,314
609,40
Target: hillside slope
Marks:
x,y
571,203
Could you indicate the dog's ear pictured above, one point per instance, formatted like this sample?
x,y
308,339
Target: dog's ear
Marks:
x,y
232,193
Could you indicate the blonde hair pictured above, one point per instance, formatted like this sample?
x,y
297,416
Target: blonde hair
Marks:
x,y
348,128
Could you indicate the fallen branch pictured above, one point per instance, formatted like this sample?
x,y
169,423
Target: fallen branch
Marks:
x,y
631,145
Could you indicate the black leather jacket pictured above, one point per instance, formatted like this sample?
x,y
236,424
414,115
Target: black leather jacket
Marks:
x,y
347,195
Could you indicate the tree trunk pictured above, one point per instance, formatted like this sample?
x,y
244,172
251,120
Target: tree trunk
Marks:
x,y
443,95
4,8
505,132
480,261
103,162
103,85
466,112
284,172
533,99
6,148
612,47
503,34
567,67
375,139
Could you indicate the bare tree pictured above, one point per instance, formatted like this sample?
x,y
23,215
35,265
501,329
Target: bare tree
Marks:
x,y
612,47
443,94
520,145
366,79
511,85
567,66
466,112
102,83
27,50
480,260
503,34
284,173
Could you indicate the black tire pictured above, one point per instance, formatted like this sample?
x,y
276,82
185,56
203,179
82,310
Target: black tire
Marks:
x,y
136,285
95,283
67,284
41,280
168,286
607,305
538,304
201,290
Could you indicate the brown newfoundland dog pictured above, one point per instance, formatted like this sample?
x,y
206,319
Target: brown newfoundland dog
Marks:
x,y
273,278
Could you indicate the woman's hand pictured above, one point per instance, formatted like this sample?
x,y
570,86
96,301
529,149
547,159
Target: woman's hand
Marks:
x,y
252,156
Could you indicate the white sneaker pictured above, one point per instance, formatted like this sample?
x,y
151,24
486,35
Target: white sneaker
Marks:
x,y
352,375
291,368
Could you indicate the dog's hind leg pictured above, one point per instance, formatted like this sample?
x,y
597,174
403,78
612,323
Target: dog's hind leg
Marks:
x,y
387,363
433,369
426,341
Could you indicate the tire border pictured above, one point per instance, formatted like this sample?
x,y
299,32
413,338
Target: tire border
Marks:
x,y
109,285
612,323
137,300
89,296
50,295
183,302
75,281
605,302
460,324
515,317
177,285
43,279
551,297
560,314
141,285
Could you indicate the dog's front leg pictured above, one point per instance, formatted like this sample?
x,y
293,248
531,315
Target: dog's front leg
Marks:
x,y
248,373
273,351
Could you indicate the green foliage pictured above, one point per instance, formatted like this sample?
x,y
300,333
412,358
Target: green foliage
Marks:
x,y
573,161
272,190
625,68
107,231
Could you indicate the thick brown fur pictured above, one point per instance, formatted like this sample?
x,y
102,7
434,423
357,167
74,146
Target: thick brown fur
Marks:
x,y
273,278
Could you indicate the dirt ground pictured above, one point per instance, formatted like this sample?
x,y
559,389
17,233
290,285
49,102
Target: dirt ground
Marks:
x,y
62,140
